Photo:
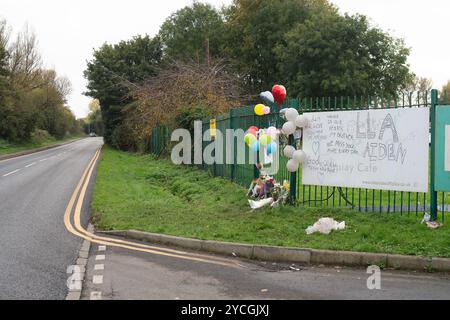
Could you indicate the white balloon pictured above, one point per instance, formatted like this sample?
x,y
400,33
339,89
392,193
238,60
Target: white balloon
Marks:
x,y
289,128
289,151
301,121
292,165
291,114
272,131
299,156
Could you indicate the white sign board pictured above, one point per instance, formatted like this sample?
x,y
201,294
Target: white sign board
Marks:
x,y
384,149
447,149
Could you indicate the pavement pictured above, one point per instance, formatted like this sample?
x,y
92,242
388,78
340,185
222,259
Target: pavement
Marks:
x,y
119,274
36,248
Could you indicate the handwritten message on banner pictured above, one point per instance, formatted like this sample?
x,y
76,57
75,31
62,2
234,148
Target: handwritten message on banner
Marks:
x,y
374,149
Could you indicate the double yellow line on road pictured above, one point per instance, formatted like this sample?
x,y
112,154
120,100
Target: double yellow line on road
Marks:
x,y
77,229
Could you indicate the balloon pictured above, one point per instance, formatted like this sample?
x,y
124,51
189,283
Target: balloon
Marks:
x,y
266,110
255,146
249,139
291,114
253,130
301,121
259,109
289,128
299,156
292,165
272,131
289,151
267,96
272,148
265,139
279,93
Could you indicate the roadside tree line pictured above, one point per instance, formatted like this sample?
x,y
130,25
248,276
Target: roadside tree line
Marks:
x,y
205,61
32,98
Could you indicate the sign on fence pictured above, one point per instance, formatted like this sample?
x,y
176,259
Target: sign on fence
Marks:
x,y
385,149
442,165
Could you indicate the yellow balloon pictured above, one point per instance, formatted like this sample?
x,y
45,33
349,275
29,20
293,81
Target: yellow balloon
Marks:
x,y
259,109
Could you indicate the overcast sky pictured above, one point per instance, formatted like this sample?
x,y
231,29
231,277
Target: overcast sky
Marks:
x,y
68,30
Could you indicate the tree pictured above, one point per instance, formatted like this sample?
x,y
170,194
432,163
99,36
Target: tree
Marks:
x,y
421,84
25,61
94,105
332,55
180,94
117,68
255,28
94,122
444,93
186,33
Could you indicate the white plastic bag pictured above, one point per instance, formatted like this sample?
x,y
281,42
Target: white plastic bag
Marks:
x,y
325,226
260,204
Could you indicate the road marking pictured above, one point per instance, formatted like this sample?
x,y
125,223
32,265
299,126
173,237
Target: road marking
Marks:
x,y
79,231
30,165
101,248
12,172
43,160
96,295
100,257
97,279
99,267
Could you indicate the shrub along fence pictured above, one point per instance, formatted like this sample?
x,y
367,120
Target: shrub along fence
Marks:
x,y
364,200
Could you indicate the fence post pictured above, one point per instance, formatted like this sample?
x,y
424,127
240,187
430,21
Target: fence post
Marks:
x,y
233,165
433,193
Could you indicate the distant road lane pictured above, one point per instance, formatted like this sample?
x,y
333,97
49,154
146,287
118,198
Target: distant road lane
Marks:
x,y
36,248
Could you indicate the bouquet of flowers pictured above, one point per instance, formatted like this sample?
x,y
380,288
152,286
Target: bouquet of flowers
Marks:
x,y
266,191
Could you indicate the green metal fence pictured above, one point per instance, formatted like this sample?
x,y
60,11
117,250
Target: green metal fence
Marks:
x,y
364,200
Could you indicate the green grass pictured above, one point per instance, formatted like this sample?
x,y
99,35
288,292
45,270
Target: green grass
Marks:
x,y
142,193
7,148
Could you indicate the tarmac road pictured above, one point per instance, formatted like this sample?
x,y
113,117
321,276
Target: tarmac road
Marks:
x,y
36,248
120,274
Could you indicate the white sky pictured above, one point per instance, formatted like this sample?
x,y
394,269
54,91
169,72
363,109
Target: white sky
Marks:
x,y
69,30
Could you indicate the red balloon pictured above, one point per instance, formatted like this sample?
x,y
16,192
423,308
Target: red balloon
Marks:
x,y
253,130
279,93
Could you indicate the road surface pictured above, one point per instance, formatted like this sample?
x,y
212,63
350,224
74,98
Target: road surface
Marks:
x,y
36,248
120,274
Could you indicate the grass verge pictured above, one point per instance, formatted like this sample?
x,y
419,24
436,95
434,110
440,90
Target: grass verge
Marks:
x,y
142,193
7,148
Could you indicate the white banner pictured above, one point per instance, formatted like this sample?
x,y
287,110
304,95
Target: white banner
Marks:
x,y
375,149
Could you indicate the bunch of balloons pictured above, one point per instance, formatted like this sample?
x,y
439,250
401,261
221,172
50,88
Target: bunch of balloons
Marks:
x,y
296,158
293,121
256,138
277,95
262,110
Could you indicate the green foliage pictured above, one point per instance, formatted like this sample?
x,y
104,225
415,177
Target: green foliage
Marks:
x,y
332,55
112,71
188,116
444,94
304,44
31,98
256,28
185,32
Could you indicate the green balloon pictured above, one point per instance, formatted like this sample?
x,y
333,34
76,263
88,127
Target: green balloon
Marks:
x,y
249,139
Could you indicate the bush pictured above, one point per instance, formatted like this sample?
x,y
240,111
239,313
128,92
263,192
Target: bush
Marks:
x,y
40,136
